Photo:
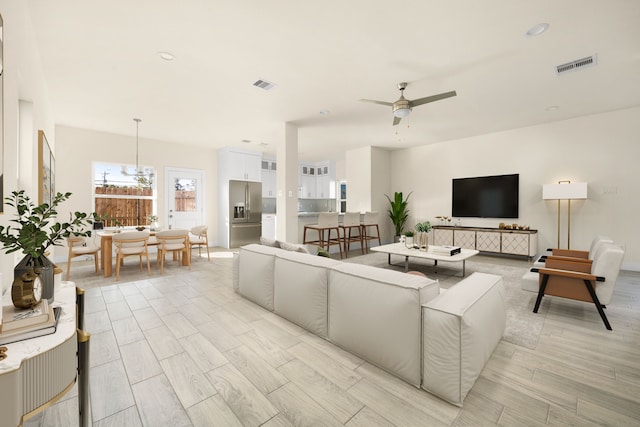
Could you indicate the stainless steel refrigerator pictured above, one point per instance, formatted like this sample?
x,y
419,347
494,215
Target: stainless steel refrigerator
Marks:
x,y
245,213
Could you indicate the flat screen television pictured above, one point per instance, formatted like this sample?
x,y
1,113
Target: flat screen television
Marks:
x,y
485,197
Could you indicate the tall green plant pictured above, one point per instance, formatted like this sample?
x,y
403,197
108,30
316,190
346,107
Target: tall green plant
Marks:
x,y
36,228
398,211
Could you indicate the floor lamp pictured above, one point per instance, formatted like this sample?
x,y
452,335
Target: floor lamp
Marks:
x,y
565,190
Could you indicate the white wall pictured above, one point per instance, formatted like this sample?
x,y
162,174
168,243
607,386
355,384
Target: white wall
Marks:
x,y
22,80
77,149
602,150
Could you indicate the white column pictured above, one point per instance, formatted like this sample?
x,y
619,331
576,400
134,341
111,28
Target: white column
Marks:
x,y
287,185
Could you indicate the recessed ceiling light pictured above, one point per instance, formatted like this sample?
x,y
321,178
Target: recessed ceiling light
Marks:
x,y
264,144
551,108
536,30
246,141
325,112
167,56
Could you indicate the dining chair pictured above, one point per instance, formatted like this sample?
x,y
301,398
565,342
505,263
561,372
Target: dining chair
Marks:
x,y
198,237
176,242
131,243
78,246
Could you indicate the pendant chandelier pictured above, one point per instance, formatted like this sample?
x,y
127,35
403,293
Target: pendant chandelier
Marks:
x,y
143,176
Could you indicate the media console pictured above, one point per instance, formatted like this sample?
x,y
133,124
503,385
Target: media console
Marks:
x,y
496,240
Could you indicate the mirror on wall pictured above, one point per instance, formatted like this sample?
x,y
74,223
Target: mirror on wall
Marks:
x,y
1,116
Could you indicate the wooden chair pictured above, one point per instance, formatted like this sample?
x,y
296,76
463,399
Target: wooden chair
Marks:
x,y
327,222
370,221
176,242
79,247
351,223
131,243
585,256
198,237
583,281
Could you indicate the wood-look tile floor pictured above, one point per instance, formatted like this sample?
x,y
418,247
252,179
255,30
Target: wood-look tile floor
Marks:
x,y
184,349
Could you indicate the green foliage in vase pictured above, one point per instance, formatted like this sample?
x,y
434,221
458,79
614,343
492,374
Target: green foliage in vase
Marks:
x,y
36,227
399,213
423,227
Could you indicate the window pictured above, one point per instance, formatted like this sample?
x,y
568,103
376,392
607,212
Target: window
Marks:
x,y
185,195
123,195
343,196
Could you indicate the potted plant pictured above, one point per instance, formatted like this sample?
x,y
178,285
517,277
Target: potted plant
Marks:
x,y
408,239
423,239
35,230
98,220
398,212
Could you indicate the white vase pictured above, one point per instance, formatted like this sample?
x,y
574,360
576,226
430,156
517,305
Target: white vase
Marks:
x,y
408,241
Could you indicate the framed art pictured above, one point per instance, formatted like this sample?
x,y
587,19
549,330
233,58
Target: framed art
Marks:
x,y
46,170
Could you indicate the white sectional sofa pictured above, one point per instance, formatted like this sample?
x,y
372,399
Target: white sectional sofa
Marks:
x,y
396,321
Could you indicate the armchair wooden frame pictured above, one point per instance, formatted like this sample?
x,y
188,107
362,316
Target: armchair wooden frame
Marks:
x,y
588,279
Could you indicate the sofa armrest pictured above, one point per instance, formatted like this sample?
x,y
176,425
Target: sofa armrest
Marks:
x,y
461,328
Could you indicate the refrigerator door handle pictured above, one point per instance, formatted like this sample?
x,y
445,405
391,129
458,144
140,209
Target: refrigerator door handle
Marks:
x,y
247,197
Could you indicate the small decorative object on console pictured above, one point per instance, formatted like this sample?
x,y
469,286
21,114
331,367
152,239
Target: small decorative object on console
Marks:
x,y
26,290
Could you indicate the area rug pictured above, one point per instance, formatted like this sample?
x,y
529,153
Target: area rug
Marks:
x,y
523,326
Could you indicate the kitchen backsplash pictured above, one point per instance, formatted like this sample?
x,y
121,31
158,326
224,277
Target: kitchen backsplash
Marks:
x,y
304,205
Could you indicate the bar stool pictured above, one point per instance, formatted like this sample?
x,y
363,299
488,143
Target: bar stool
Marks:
x,y
350,222
370,220
327,221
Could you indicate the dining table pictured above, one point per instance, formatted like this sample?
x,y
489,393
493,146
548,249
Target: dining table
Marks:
x,y
106,249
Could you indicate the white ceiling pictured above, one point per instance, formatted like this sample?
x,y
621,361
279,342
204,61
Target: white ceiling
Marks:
x,y
102,67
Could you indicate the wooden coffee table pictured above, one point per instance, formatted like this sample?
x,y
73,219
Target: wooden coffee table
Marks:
x,y
401,250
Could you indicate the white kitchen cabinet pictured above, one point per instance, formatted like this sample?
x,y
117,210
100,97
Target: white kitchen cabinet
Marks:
x,y
269,226
268,178
325,180
240,164
307,181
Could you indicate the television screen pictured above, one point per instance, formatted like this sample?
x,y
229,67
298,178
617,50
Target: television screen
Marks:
x,y
485,197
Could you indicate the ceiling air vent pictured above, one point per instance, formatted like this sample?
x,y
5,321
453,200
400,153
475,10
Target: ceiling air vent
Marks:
x,y
578,64
263,84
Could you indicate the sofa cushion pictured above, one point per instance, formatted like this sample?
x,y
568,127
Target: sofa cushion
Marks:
x,y
294,247
376,314
460,331
255,274
265,241
300,290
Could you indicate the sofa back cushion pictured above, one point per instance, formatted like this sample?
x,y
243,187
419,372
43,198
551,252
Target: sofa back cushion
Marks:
x,y
255,274
376,314
300,290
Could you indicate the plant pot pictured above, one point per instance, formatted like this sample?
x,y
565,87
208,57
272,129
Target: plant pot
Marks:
x,y
408,241
42,267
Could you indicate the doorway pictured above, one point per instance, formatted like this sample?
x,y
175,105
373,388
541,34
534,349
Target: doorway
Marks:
x,y
184,202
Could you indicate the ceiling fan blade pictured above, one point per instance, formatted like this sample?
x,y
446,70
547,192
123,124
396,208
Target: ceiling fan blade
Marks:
x,y
388,104
432,98
396,120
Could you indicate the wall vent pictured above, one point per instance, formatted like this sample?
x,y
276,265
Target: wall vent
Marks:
x,y
263,84
578,64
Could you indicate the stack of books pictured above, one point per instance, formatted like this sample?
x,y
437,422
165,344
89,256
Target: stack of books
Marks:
x,y
21,324
445,250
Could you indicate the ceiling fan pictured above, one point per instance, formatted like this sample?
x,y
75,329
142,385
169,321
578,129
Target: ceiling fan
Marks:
x,y
402,107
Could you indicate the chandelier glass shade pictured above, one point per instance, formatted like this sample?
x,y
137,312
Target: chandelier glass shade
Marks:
x,y
142,175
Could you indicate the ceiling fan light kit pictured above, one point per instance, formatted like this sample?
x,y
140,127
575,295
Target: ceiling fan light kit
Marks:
x,y
402,107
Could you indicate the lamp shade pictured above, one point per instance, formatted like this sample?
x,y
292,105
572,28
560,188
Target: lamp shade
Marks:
x,y
568,191
402,112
